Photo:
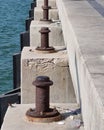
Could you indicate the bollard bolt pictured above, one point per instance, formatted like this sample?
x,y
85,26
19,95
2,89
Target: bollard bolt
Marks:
x,y
45,40
42,112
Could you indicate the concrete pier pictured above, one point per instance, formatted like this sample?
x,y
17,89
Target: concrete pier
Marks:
x,y
55,36
82,23
15,118
53,13
55,65
83,29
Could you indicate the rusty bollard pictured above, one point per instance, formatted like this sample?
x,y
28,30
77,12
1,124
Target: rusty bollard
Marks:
x,y
46,8
45,40
42,112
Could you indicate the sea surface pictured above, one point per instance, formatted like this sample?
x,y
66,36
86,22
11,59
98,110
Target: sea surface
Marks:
x,y
13,14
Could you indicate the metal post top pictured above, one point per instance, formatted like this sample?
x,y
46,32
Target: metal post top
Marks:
x,y
44,30
42,81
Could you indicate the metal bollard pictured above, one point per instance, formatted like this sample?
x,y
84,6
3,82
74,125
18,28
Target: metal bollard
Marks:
x,y
45,40
46,11
42,84
42,112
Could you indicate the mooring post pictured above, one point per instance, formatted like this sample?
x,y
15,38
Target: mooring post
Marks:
x,y
42,84
42,111
46,8
45,40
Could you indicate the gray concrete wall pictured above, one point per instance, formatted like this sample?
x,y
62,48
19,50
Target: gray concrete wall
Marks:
x,y
55,65
83,29
38,13
22,123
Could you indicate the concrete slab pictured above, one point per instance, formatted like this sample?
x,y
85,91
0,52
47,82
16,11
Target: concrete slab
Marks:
x,y
55,36
55,65
101,2
95,66
40,3
83,30
38,14
15,119
81,8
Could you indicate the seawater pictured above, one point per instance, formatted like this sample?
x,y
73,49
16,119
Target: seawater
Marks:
x,y
13,14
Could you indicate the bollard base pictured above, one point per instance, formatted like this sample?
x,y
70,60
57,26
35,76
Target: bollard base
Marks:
x,y
45,117
49,49
15,118
44,120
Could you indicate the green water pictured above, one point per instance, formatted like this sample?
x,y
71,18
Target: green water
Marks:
x,y
13,14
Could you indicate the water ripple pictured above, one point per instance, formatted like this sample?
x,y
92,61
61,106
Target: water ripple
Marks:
x,y
12,22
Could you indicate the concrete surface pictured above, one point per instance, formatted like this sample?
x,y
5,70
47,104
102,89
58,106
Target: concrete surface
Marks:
x,y
83,30
55,36
15,119
55,65
38,13
40,3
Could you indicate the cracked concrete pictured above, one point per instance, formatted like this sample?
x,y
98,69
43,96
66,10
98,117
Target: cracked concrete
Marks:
x,y
71,121
55,65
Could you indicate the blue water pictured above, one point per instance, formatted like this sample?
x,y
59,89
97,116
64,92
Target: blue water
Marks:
x,y
13,14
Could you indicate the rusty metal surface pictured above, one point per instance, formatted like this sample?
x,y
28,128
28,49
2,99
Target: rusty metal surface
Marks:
x,y
46,8
46,3
42,110
44,37
50,113
42,84
44,120
45,40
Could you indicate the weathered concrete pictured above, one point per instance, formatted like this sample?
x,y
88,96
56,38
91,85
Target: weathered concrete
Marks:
x,y
83,29
38,14
40,3
55,36
15,119
55,65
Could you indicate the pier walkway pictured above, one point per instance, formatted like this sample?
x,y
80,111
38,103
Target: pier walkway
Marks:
x,y
82,24
83,29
